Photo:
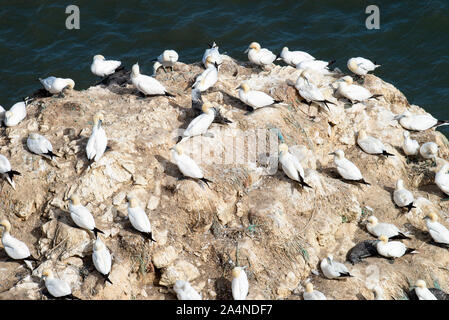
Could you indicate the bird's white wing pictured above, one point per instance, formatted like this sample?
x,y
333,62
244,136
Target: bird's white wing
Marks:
x,y
16,249
36,146
259,99
199,125
57,287
82,217
188,167
439,233
266,56
371,145
418,122
239,288
348,170
102,261
139,219
355,92
386,229
5,165
402,197
149,85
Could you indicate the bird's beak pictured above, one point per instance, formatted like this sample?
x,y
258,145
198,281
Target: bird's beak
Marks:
x,y
332,154
399,116
210,45
246,51
239,87
99,123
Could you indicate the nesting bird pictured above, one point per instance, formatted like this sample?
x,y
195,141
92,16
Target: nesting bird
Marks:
x,y
17,113
346,168
186,165
361,66
309,91
147,85
184,291
291,165
371,145
167,59
410,146
294,57
392,249
429,150
5,169
361,251
333,269
102,67
200,124
319,66
82,216
214,54
418,122
101,258
139,219
208,78
442,176
402,197
14,248
353,92
239,285
255,99
58,288
40,145
438,232
389,230
57,85
97,143
422,292
260,56
311,294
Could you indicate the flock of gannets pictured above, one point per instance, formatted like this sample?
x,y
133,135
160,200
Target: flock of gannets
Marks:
x,y
253,99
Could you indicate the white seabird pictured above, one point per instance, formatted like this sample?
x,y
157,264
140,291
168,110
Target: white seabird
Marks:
x,y
200,124
186,165
294,57
309,91
184,291
389,230
442,176
14,248
2,113
318,66
353,92
291,165
82,216
239,284
422,292
167,59
260,56
17,113
346,168
38,144
97,143
208,77
392,249
371,145
102,68
58,288
311,294
402,197
439,233
5,169
146,84
101,258
139,219
332,269
378,293
418,122
255,99
361,66
215,55
429,150
410,146
57,85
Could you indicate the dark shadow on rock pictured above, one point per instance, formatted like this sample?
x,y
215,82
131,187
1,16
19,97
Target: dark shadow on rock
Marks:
x,y
169,168
223,288
234,102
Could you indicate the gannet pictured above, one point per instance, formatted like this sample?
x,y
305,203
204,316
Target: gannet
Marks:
x,y
101,258
57,85
309,91
215,55
102,68
167,59
311,294
186,165
146,84
361,66
294,57
332,269
418,122
361,251
239,284
255,99
402,197
346,168
422,292
378,293
58,288
184,291
200,124
82,216
40,145
439,233
139,219
5,169
17,113
291,165
442,176
429,150
392,249
97,143
208,78
261,57
353,92
14,248
371,145
319,66
2,113
410,146
389,230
